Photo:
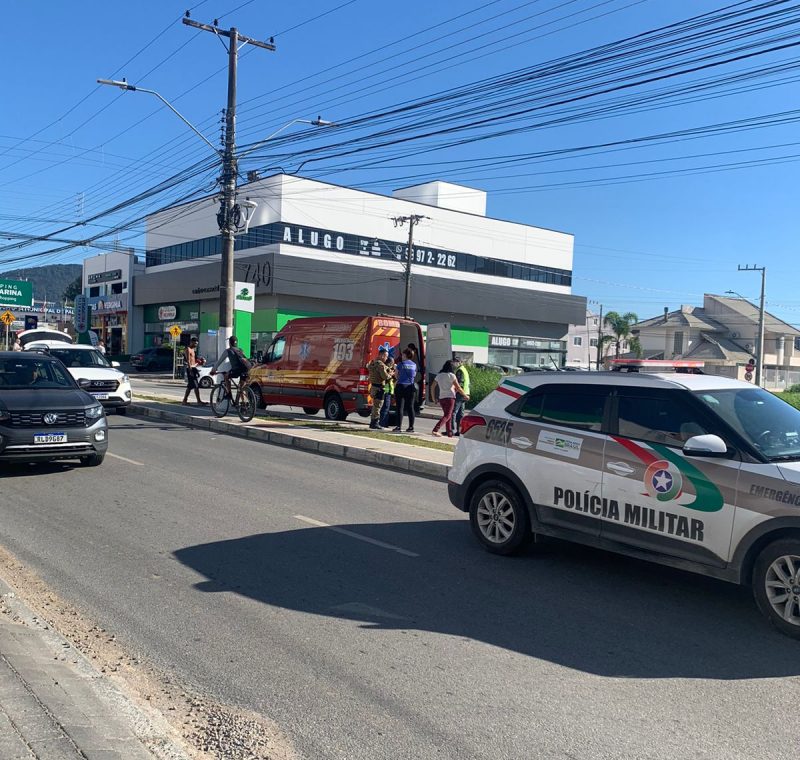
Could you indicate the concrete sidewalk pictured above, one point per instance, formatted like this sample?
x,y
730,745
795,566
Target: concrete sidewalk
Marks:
x,y
55,706
418,460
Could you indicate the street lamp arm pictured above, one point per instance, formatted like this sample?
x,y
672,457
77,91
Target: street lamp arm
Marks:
x,y
318,122
123,85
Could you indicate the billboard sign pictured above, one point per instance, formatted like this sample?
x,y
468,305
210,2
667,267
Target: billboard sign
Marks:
x,y
16,293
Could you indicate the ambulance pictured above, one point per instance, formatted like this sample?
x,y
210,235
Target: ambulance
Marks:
x,y
690,470
321,362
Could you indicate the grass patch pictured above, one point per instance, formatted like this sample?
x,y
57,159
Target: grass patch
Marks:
x,y
790,398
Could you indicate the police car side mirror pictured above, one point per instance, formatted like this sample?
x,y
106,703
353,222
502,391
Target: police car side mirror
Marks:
x,y
705,446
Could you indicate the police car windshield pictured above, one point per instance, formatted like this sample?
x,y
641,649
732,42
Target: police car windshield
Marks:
x,y
772,426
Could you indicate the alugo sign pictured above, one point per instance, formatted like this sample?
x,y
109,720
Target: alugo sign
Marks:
x,y
16,293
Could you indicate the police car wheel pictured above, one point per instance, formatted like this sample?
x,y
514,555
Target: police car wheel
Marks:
x,y
499,518
776,585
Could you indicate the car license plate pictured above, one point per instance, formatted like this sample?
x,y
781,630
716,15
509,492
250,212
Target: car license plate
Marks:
x,y
50,438
100,396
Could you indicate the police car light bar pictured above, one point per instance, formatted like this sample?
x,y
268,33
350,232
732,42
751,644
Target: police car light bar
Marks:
x,y
636,365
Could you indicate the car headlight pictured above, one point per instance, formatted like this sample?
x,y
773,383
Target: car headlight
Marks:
x,y
93,412
125,379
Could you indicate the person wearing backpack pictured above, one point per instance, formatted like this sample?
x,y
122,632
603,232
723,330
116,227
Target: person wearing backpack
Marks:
x,y
232,363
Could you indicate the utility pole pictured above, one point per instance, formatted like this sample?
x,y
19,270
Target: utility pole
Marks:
x,y
226,218
599,337
399,221
760,336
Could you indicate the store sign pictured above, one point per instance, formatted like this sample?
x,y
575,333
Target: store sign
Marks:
x,y
166,313
503,341
109,304
81,313
16,293
113,274
203,291
244,298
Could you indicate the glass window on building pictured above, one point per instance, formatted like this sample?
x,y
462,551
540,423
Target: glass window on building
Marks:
x,y
577,341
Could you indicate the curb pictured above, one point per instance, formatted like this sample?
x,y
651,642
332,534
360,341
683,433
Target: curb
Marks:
x,y
382,459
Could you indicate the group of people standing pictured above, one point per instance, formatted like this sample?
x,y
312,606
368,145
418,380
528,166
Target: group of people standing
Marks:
x,y
389,379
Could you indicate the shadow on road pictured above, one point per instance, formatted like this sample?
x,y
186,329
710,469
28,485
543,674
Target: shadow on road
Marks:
x,y
584,609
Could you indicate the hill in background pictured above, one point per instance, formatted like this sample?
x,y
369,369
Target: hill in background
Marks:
x,y
51,280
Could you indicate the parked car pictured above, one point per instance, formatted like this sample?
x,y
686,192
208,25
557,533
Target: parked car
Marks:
x,y
509,369
694,471
321,362
204,377
153,359
45,415
109,385
494,367
43,333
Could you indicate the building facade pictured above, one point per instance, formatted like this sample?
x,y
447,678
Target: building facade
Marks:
x,y
316,249
722,333
108,283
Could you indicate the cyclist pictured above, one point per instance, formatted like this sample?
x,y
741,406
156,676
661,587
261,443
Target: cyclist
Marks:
x,y
239,364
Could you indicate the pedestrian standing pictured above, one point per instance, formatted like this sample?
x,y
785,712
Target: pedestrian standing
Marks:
x,y
101,347
17,344
405,390
448,388
462,375
378,375
192,374
388,393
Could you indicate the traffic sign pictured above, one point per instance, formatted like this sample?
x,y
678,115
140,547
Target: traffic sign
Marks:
x,y
175,331
7,318
748,376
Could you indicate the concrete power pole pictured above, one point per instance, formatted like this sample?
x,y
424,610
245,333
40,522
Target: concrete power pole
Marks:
x,y
760,336
227,212
399,221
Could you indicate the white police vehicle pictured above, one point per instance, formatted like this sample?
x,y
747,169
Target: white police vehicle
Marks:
x,y
690,470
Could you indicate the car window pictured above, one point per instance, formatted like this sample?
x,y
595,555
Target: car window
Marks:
x,y
768,423
275,351
568,405
75,357
16,374
658,418
165,352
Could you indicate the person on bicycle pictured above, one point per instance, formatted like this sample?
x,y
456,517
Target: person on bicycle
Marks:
x,y
239,364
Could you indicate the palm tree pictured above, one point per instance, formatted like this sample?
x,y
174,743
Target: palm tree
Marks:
x,y
620,325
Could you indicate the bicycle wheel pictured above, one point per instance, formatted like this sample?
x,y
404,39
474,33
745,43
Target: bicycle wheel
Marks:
x,y
247,404
220,401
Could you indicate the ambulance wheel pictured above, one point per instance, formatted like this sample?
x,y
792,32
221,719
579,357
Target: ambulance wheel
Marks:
x,y
310,410
776,585
260,403
499,518
334,408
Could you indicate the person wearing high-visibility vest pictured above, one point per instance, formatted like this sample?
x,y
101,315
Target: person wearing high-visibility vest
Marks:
x,y
462,375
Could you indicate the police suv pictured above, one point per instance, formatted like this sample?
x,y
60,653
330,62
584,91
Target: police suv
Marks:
x,y
690,470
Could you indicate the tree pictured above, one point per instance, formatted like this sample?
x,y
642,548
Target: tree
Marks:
x,y
620,325
73,289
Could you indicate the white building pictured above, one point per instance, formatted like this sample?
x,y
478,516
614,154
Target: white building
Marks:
x,y
314,248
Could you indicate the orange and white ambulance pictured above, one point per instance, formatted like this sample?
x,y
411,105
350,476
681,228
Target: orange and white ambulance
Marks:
x,y
321,362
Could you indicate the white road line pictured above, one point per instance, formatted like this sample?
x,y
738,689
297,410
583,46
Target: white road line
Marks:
x,y
125,459
350,533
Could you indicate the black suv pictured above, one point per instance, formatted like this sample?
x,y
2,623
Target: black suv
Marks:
x,y
155,358
45,414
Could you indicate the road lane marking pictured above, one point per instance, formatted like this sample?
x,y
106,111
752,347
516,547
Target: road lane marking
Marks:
x,y
350,533
125,459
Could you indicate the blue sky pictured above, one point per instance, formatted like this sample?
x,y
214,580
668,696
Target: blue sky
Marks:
x,y
69,148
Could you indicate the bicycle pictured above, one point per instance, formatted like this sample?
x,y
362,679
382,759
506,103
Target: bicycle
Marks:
x,y
240,395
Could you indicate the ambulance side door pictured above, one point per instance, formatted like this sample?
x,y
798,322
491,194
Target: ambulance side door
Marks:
x,y
663,500
556,447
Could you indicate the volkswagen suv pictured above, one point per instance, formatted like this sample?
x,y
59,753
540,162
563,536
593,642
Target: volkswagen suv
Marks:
x,y
45,415
694,471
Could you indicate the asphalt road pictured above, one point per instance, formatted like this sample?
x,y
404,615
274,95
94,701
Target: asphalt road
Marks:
x,y
353,607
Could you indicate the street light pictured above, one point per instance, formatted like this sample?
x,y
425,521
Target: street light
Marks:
x,y
124,86
318,122
230,211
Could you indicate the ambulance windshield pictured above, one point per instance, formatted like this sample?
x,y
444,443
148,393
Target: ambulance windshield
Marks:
x,y
772,426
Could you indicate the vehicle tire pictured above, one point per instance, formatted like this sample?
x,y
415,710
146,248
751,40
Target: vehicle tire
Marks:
x,y
364,413
220,401
246,408
206,382
499,517
123,410
334,408
260,403
776,585
310,410
93,460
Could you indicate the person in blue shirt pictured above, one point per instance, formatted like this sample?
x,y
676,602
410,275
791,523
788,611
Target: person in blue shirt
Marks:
x,y
405,391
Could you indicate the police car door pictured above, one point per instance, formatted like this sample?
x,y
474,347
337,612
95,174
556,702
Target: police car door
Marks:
x,y
657,498
556,448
